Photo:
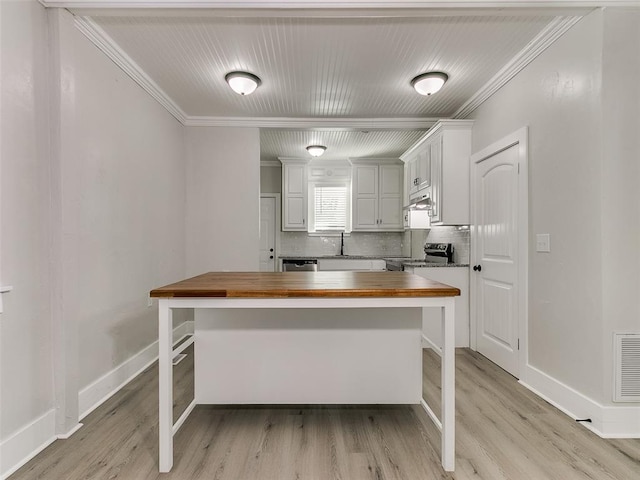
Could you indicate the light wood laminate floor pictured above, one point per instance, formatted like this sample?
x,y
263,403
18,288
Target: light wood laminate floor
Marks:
x,y
503,432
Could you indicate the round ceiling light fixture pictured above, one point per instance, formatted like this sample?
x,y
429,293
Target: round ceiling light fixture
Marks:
x,y
429,83
243,83
316,150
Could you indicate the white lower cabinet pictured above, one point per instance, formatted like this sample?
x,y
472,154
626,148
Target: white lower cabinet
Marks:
x,y
456,277
350,264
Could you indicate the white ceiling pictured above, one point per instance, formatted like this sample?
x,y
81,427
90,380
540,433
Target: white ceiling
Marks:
x,y
341,145
324,67
358,67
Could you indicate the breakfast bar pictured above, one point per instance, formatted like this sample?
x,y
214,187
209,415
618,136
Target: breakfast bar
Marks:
x,y
373,357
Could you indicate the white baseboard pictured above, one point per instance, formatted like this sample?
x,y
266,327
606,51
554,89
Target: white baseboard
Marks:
x,y
31,439
26,443
428,343
606,421
98,392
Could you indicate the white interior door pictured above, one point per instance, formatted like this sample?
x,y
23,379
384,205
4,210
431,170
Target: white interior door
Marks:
x,y
268,234
498,288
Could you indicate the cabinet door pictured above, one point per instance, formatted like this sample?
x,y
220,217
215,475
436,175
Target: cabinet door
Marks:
x,y
295,213
365,197
295,179
413,174
436,178
424,168
390,198
294,200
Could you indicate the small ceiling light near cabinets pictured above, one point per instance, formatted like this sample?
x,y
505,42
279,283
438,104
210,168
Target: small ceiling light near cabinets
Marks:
x,y
243,83
429,83
316,150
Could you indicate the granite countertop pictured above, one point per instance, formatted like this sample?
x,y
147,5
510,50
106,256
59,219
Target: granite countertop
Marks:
x,y
404,261
421,264
340,257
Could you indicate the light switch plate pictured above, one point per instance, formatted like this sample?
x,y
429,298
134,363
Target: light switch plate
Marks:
x,y
543,242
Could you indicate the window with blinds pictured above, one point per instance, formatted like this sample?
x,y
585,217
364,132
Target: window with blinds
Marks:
x,y
330,207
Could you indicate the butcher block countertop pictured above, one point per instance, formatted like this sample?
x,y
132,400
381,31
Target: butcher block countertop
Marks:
x,y
305,285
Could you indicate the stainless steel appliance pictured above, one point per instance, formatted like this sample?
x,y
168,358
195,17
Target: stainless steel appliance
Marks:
x,y
299,265
438,252
422,201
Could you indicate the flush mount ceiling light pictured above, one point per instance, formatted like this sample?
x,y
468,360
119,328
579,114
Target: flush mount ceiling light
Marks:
x,y
243,83
429,83
316,150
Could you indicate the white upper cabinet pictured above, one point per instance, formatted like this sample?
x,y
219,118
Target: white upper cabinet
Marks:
x,y
294,195
377,195
418,165
447,146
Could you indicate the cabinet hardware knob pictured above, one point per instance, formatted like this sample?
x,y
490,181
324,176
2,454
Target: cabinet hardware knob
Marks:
x,y
477,268
271,249
270,257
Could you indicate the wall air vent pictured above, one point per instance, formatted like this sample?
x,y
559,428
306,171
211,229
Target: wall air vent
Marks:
x,y
626,351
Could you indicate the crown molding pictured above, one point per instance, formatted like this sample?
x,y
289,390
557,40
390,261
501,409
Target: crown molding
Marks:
x,y
111,49
315,123
554,30
449,124
270,163
298,160
335,4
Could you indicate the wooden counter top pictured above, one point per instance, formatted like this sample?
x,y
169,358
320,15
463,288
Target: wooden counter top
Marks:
x,y
305,285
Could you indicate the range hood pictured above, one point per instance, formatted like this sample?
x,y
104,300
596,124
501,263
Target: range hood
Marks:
x,y
421,201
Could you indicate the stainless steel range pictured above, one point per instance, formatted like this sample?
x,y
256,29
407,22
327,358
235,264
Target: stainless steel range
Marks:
x,y
438,252
441,253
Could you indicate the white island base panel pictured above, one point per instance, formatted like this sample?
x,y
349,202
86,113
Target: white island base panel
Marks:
x,y
310,356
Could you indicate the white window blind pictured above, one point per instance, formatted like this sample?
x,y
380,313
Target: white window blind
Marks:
x,y
330,207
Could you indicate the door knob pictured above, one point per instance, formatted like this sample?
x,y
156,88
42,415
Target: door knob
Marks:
x,y
477,268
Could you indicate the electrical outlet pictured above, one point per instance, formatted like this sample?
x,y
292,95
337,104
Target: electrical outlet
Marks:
x,y
543,242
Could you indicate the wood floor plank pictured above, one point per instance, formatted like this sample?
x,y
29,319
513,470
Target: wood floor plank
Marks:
x,y
503,432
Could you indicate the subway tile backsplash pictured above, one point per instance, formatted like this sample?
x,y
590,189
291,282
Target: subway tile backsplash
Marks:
x,y
356,243
383,244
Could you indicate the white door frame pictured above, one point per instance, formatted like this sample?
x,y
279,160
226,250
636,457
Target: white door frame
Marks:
x,y
520,138
278,225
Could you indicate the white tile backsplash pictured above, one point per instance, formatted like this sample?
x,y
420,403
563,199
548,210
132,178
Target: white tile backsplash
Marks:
x,y
355,243
459,238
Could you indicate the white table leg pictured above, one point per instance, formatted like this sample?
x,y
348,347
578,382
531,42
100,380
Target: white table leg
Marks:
x,y
165,421
448,385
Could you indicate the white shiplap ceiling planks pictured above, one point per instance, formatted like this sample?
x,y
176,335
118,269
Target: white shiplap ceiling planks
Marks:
x,y
341,145
320,67
348,72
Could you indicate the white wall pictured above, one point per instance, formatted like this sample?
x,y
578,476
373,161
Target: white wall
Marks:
x,y
26,390
583,190
620,180
123,203
223,199
558,97
270,179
